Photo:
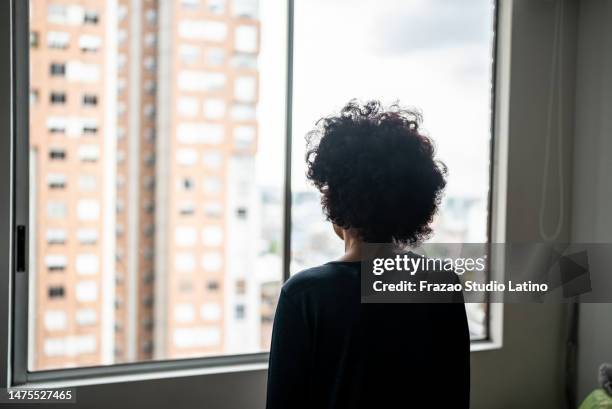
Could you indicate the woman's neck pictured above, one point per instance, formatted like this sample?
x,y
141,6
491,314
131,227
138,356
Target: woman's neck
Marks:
x,y
352,247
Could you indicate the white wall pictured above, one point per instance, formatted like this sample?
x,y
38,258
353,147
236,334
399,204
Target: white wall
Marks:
x,y
528,371
592,204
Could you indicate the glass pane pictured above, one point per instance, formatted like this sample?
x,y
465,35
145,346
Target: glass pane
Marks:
x,y
432,55
157,142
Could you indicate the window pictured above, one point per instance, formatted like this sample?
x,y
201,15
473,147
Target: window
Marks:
x,y
56,292
55,320
201,81
216,6
58,69
188,106
58,39
55,262
190,4
90,100
56,180
189,54
34,39
215,57
207,30
211,106
246,40
89,43
245,89
87,236
57,154
91,17
200,133
89,153
56,236
59,14
246,8
87,183
214,108
439,60
58,98
33,97
56,210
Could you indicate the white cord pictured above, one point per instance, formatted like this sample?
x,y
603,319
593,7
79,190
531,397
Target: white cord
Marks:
x,y
557,63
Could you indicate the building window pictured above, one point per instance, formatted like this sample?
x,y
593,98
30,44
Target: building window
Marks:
x,y
86,317
210,312
212,236
186,209
215,57
89,153
213,210
55,320
87,236
90,100
56,180
189,54
151,16
86,264
86,291
88,209
245,8
56,236
245,89
214,108
187,184
91,17
87,183
56,262
212,262
57,69
243,112
240,312
201,81
246,40
212,285
57,98
216,6
56,292
212,160
190,4
58,39
89,43
57,154
184,313
56,210
242,60
34,97
206,30
34,39
188,106
185,236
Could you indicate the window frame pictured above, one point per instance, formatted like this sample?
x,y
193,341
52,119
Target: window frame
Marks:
x,y
16,18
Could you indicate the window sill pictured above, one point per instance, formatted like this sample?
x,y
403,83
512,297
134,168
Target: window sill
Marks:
x,y
162,374
102,379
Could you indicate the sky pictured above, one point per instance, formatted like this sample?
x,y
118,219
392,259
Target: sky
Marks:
x,y
433,55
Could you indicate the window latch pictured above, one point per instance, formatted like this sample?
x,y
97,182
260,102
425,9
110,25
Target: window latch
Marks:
x,y
20,249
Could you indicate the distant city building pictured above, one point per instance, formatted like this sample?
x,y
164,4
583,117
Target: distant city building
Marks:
x,y
144,204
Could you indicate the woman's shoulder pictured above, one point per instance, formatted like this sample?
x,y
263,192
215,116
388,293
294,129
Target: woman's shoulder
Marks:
x,y
324,277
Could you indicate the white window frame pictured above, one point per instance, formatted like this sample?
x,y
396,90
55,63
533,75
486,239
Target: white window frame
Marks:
x,y
14,36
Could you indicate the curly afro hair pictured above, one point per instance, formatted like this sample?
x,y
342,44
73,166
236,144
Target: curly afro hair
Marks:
x,y
376,172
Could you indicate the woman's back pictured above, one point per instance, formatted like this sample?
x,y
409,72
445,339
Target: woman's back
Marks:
x,y
332,351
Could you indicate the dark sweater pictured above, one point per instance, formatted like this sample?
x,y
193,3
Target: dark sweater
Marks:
x,y
330,351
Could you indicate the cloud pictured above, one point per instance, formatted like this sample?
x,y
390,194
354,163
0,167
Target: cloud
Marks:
x,y
434,24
